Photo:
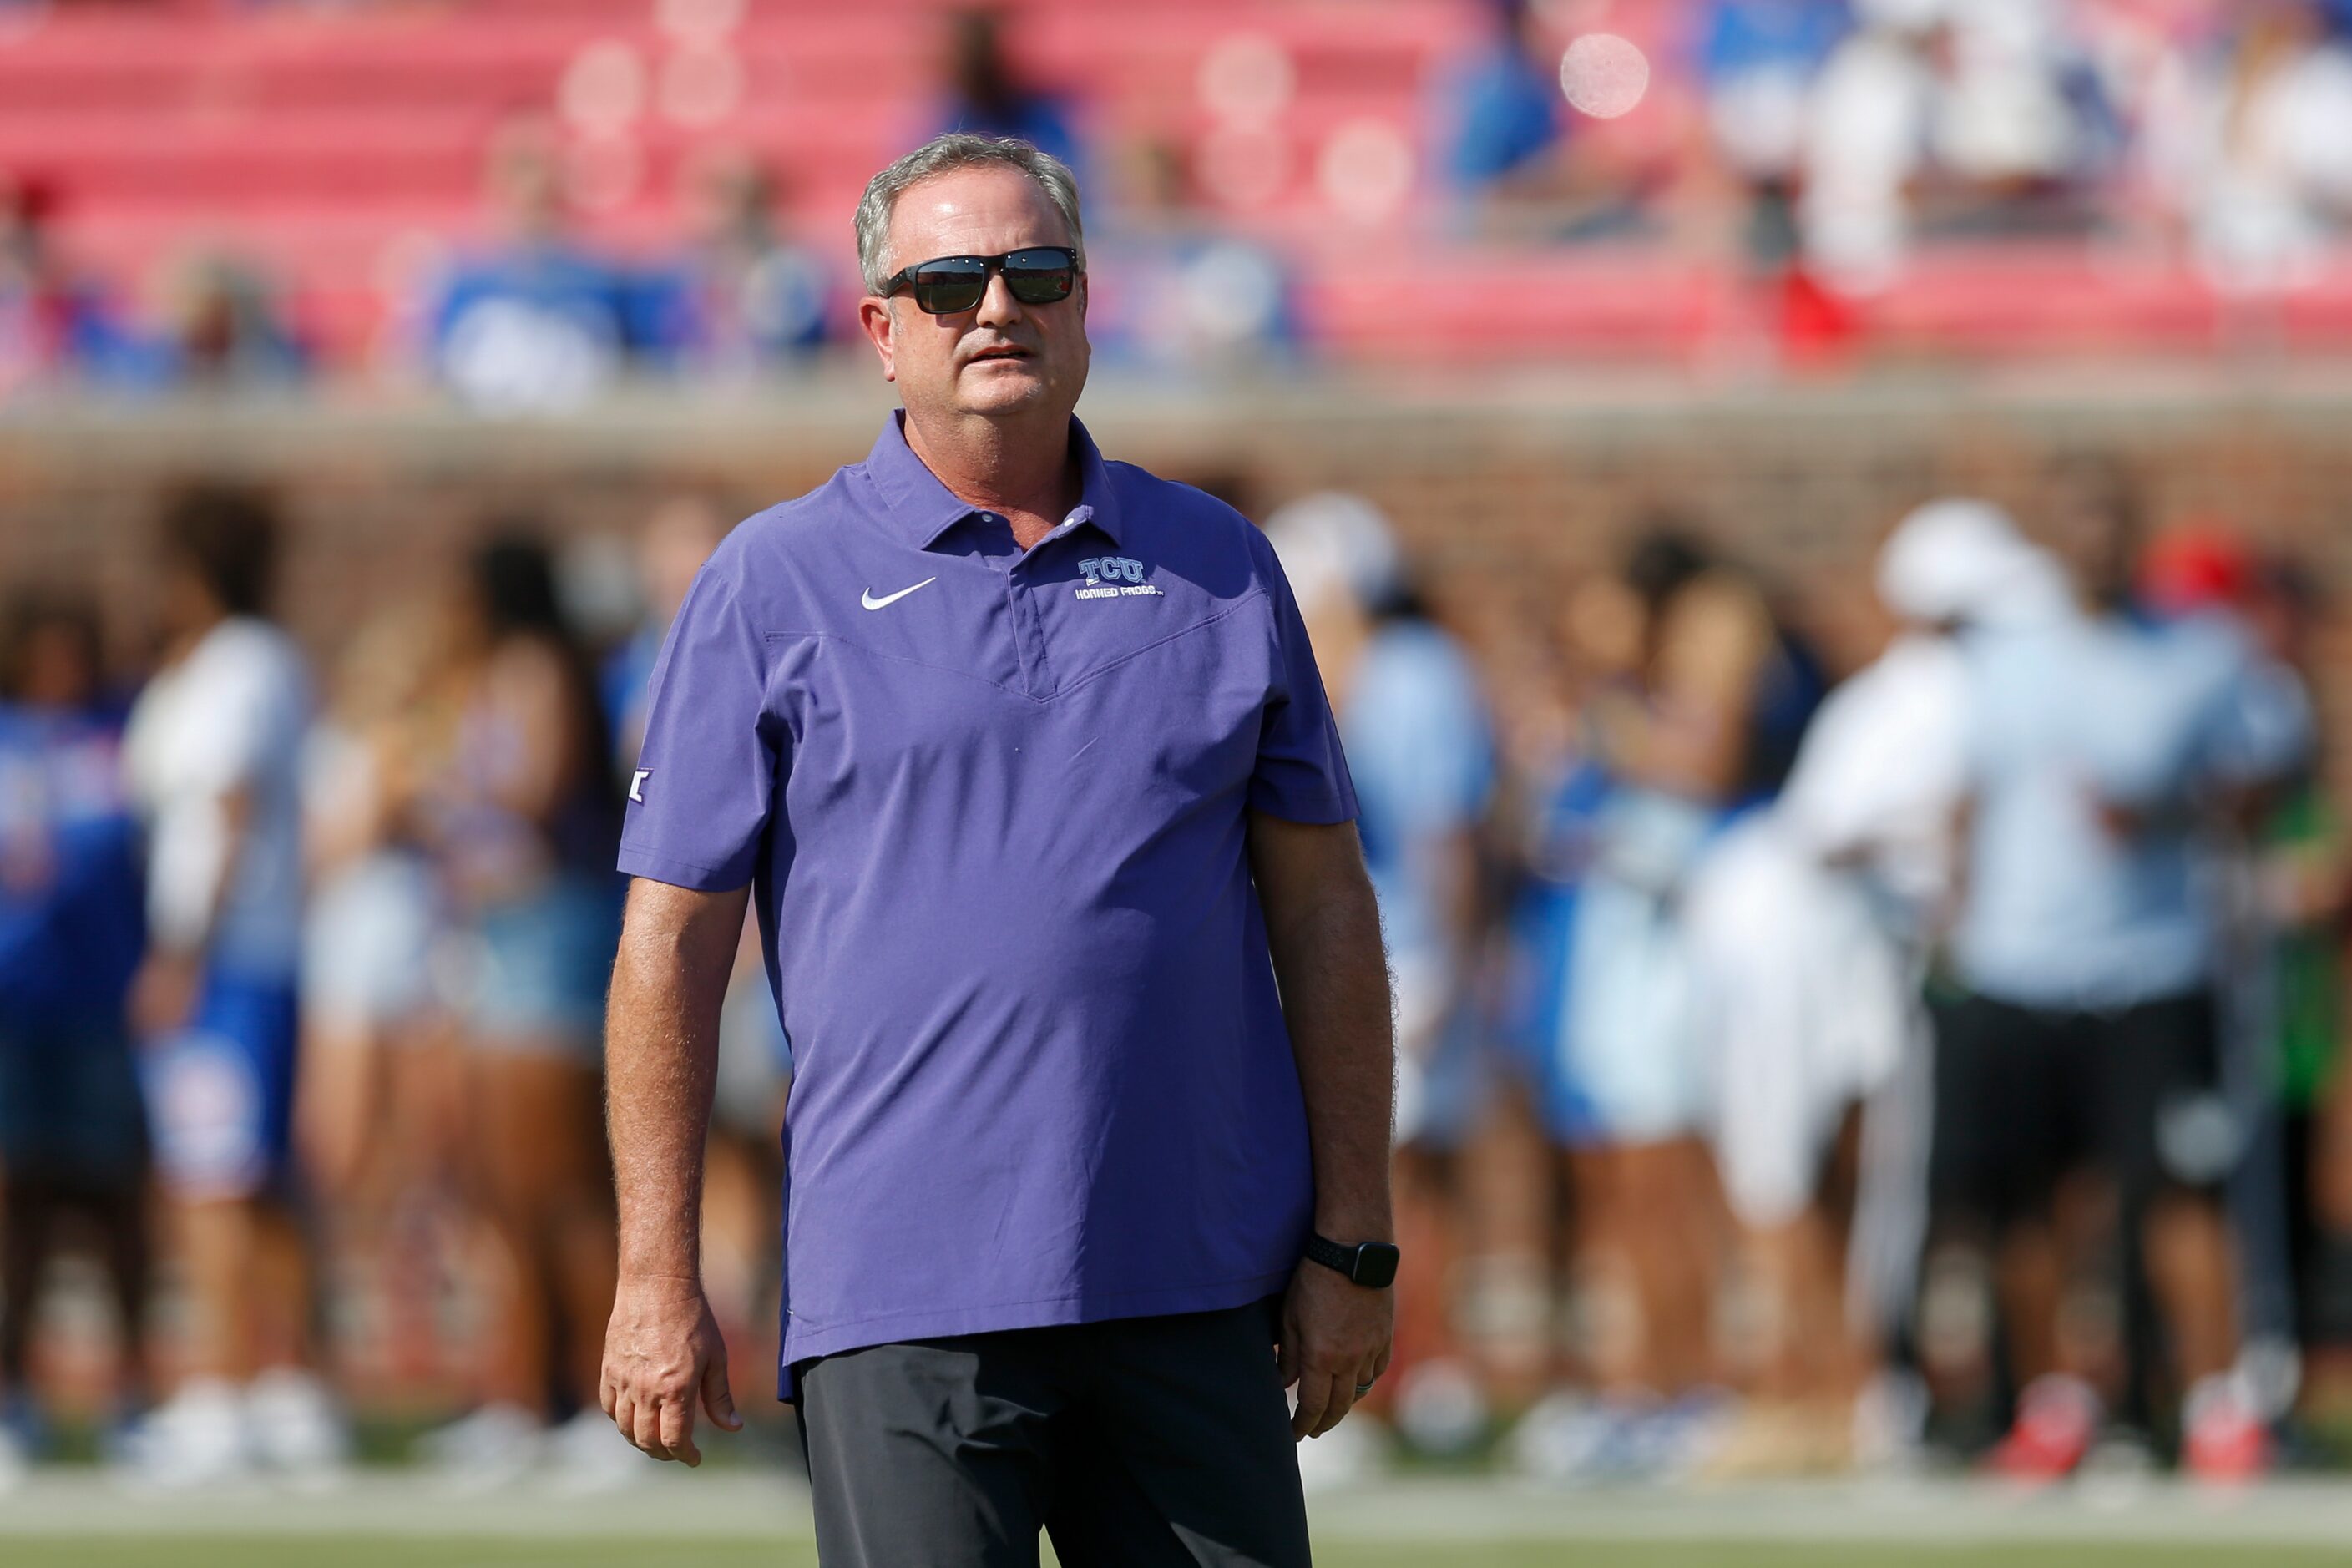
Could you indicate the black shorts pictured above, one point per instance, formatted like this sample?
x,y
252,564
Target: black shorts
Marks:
x,y
2025,1095
1159,1442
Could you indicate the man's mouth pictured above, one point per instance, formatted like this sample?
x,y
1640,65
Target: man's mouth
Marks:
x,y
1002,351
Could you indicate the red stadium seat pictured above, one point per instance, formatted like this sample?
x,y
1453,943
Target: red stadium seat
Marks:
x,y
321,139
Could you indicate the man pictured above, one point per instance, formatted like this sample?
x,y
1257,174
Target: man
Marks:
x,y
212,756
73,1141
1026,758
2100,754
535,320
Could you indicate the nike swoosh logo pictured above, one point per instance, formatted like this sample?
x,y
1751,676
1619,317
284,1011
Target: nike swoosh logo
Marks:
x,y
871,603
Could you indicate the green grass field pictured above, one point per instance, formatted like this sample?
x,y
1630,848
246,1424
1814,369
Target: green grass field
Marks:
x,y
78,1519
347,1551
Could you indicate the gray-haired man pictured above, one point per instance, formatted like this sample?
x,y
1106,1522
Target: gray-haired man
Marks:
x,y
1026,755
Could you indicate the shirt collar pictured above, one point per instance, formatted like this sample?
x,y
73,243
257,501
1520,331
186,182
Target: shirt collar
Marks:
x,y
922,509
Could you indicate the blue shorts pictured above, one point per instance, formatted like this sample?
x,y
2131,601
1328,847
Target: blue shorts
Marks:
x,y
220,1092
539,966
1543,931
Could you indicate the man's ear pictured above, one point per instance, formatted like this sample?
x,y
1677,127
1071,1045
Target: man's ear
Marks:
x,y
874,319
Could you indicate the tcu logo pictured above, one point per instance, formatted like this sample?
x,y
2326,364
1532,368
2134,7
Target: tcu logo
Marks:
x,y
1104,569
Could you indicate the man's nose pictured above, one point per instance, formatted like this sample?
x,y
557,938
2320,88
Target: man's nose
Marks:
x,y
997,305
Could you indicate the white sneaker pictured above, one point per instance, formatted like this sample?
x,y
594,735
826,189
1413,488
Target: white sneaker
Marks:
x,y
1556,1438
589,1454
1350,1454
197,1438
14,1464
1890,1424
1440,1408
297,1426
486,1448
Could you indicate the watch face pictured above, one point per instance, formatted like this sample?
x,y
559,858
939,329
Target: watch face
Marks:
x,y
1376,1265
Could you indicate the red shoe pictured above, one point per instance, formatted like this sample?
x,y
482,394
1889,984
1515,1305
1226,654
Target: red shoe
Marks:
x,y
2057,1417
2222,1440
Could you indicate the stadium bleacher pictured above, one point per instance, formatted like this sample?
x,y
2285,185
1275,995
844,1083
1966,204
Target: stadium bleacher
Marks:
x,y
331,144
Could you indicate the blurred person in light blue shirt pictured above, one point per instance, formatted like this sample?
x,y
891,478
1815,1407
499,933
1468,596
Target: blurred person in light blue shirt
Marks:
x,y
2097,742
2106,757
1420,748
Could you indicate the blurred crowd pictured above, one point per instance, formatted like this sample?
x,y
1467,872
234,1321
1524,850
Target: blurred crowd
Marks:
x,y
1820,144
301,982
1795,1073
1940,1062
1843,133
532,312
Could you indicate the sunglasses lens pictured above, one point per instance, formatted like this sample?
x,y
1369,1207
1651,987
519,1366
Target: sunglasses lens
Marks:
x,y
1039,276
952,285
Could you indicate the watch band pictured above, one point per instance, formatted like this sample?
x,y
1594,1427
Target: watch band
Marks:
x,y
1331,1255
1372,1263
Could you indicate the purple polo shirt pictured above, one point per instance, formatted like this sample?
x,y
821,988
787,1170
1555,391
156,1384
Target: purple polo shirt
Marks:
x,y
991,803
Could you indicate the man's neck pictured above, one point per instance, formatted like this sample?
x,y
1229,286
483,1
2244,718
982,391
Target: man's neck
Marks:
x,y
1020,469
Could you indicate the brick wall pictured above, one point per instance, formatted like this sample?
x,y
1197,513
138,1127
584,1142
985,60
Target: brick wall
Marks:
x,y
1503,491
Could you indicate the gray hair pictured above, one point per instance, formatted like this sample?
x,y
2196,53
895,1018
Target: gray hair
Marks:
x,y
943,154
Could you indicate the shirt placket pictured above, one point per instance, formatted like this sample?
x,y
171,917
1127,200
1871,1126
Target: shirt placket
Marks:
x,y
1028,617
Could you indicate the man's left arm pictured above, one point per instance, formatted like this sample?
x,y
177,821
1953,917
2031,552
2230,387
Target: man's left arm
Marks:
x,y
1324,930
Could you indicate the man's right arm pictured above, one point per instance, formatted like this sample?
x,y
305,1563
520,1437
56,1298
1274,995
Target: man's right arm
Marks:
x,y
662,1350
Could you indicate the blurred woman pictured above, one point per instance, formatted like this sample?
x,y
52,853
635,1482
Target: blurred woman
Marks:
x,y
525,823
366,1115
1696,717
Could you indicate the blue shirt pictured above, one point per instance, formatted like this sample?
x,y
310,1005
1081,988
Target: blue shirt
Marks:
x,y
537,323
1036,118
1423,759
71,903
993,805
1502,113
2064,910
1739,36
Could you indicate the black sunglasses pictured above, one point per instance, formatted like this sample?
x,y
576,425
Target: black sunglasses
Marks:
x,y
1039,275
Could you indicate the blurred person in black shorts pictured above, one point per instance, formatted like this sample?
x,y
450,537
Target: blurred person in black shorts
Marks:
x,y
2103,753
73,1139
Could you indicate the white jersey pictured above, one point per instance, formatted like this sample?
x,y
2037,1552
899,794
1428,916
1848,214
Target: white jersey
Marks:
x,y
226,719
1883,769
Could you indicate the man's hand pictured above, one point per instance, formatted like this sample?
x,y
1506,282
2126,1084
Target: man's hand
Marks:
x,y
663,1354
1335,1335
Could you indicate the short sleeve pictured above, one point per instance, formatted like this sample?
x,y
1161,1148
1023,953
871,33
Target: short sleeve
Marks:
x,y
2262,730
705,780
1301,773
254,706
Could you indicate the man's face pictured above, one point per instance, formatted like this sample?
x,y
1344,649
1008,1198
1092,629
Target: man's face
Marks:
x,y
1002,357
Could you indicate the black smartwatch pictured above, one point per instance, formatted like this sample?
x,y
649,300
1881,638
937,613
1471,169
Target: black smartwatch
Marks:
x,y
1372,1263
